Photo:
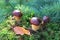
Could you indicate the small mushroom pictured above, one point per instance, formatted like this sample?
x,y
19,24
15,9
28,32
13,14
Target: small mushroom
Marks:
x,y
35,23
46,19
17,15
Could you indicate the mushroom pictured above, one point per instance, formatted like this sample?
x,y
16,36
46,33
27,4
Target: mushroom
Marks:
x,y
17,15
46,19
35,23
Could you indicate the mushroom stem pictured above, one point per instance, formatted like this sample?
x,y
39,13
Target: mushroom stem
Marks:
x,y
35,27
17,18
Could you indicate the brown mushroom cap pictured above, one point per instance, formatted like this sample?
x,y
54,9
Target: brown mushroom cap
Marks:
x,y
35,21
17,13
46,19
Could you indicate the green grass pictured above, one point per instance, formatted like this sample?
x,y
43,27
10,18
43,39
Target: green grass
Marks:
x,y
37,8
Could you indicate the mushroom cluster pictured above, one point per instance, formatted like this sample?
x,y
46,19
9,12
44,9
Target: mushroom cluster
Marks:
x,y
36,23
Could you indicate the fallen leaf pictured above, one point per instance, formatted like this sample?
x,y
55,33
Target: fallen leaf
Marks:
x,y
18,30
21,31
